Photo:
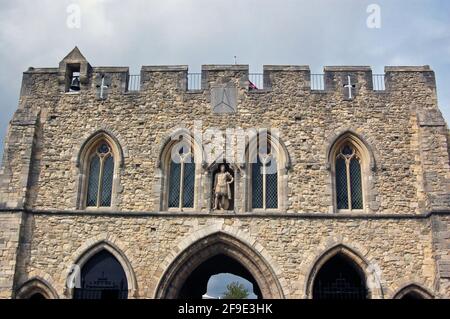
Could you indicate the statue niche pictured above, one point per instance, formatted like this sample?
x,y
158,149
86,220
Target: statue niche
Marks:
x,y
223,188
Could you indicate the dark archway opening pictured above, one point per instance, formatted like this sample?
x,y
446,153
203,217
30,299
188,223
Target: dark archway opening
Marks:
x,y
37,296
412,295
196,285
340,279
102,277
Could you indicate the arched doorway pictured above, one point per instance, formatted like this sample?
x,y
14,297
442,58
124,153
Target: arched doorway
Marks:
x,y
36,288
196,285
188,275
37,296
340,278
413,295
413,292
102,277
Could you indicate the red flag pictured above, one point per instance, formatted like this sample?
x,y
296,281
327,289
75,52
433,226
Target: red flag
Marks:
x,y
251,86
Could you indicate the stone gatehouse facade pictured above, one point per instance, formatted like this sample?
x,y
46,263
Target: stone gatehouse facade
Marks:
x,y
360,174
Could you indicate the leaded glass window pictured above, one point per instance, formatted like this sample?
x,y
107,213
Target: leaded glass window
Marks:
x,y
181,179
100,177
341,183
174,184
94,173
107,181
257,184
188,184
272,184
264,179
349,194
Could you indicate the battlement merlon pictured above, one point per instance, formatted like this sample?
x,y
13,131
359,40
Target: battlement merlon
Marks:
x,y
175,78
164,77
402,78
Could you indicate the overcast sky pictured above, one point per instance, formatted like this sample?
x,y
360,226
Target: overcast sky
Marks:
x,y
194,32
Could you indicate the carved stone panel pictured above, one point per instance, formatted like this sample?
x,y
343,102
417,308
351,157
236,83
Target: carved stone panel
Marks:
x,y
224,99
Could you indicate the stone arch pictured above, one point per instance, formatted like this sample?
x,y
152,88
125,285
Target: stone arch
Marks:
x,y
181,135
360,139
284,164
284,156
368,166
415,289
92,250
36,285
364,267
92,138
198,252
81,164
174,137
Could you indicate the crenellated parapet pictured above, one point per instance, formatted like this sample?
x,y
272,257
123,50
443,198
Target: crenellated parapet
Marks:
x,y
345,81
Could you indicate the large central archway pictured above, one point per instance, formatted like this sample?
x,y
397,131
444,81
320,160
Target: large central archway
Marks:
x,y
189,273
196,285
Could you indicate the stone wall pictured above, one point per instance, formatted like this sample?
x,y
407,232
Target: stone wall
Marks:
x,y
441,241
308,122
400,249
9,245
402,235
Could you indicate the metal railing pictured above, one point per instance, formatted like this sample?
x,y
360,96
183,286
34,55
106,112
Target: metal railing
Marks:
x,y
256,81
98,294
317,82
194,81
378,82
134,83
102,289
340,289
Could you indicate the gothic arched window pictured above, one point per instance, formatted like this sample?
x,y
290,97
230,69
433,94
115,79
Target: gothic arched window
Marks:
x,y
264,175
100,176
348,177
99,163
181,179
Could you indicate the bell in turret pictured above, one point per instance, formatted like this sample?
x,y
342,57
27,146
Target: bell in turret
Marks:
x,y
75,85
